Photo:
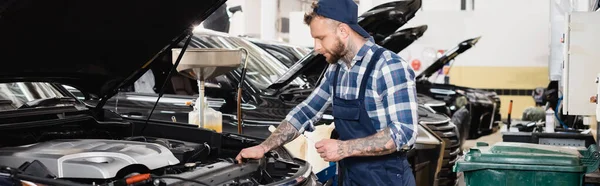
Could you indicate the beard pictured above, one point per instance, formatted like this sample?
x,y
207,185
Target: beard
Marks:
x,y
337,52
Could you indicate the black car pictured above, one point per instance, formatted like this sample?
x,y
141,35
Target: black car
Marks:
x,y
476,111
48,137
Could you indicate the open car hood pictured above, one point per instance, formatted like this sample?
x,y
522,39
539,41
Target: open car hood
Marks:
x,y
448,56
95,46
314,62
398,41
385,19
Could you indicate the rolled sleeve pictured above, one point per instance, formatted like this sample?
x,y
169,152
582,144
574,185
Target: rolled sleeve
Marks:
x,y
397,89
306,114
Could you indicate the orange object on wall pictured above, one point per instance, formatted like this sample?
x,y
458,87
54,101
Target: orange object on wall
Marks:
x,y
415,64
440,53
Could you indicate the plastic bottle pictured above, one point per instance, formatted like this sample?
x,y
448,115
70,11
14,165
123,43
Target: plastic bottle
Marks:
x,y
549,121
212,119
193,116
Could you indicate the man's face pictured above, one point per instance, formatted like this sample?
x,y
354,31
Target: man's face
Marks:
x,y
328,39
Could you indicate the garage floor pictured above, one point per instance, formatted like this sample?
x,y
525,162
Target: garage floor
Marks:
x,y
490,139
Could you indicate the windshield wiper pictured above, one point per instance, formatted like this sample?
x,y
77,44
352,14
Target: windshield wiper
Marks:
x,y
48,102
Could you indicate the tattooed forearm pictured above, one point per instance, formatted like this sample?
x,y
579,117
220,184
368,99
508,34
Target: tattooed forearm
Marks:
x,y
380,143
283,134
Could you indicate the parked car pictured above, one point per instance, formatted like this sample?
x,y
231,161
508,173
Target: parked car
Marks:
x,y
48,137
476,111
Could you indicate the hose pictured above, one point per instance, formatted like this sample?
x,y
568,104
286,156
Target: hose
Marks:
x,y
48,181
556,114
21,176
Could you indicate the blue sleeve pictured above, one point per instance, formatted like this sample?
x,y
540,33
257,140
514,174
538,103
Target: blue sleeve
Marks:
x,y
306,114
397,89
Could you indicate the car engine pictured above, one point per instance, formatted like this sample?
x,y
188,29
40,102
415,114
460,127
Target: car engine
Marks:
x,y
89,158
104,161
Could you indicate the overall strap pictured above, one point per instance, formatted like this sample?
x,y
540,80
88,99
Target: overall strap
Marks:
x,y
374,58
335,79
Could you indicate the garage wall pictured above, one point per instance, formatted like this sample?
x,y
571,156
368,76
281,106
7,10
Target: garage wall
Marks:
x,y
441,5
513,51
299,32
250,14
249,21
504,35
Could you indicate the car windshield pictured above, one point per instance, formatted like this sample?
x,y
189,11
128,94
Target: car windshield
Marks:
x,y
299,51
14,95
262,70
282,57
287,54
296,52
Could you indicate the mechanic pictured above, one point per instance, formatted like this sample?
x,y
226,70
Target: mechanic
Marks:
x,y
374,102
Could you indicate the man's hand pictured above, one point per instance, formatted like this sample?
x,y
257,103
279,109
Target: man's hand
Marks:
x,y
378,144
284,133
331,150
255,152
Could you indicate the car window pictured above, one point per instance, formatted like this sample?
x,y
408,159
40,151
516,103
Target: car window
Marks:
x,y
299,52
283,58
263,69
14,95
292,53
78,94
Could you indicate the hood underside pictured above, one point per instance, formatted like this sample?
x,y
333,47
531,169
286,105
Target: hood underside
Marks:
x,y
398,41
385,19
95,46
448,57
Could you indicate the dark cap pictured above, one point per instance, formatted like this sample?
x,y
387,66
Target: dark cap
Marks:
x,y
345,11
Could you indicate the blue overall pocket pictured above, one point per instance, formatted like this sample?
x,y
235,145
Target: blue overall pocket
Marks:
x,y
347,109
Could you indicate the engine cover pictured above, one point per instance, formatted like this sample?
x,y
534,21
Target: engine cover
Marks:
x,y
89,158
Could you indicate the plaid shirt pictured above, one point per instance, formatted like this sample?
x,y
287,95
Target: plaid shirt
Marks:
x,y
390,98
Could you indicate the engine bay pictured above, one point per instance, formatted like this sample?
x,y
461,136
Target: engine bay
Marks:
x,y
89,158
62,154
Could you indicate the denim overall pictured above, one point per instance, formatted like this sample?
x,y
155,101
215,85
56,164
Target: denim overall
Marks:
x,y
351,122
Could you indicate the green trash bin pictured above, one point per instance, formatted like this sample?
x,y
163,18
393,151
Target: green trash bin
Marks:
x,y
526,164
